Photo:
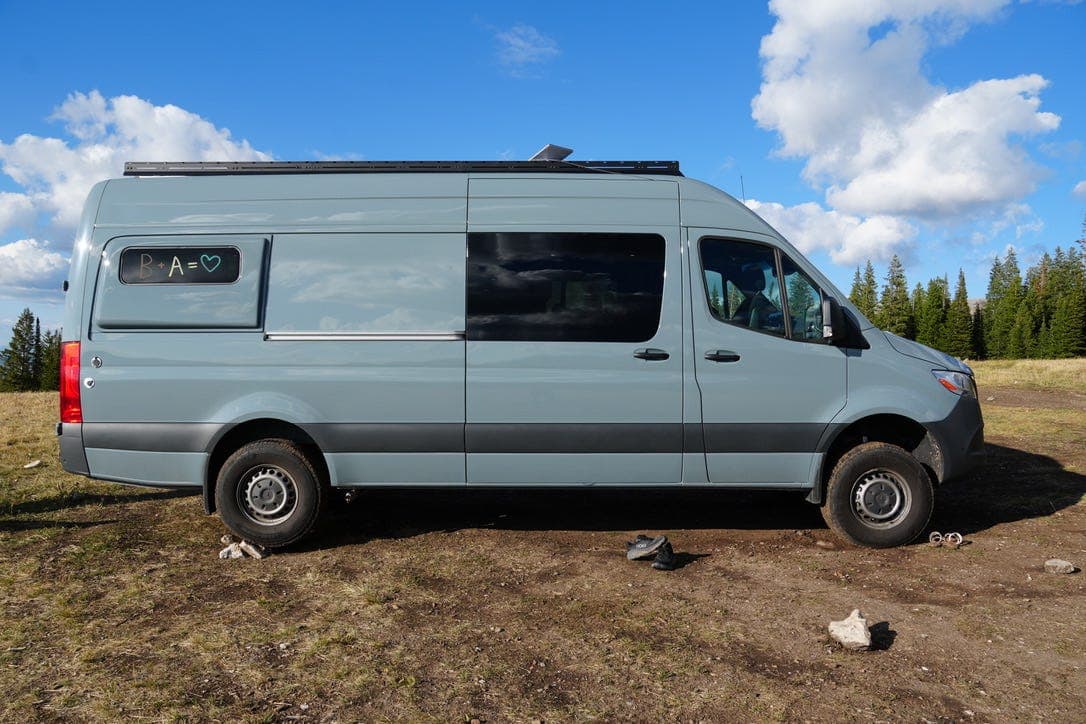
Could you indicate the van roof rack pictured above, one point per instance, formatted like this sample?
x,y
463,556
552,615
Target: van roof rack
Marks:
x,y
257,168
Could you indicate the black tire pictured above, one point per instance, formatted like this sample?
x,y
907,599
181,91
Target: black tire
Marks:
x,y
268,492
878,495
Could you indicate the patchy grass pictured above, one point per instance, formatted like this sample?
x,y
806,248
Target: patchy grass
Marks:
x,y
449,606
1033,374
1058,427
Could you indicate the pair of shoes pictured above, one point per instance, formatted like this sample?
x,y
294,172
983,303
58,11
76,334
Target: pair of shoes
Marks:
x,y
643,546
665,558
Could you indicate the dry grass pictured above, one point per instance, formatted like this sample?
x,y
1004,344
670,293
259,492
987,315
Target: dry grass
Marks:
x,y
448,607
1033,374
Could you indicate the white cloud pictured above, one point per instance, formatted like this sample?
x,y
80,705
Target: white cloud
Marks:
x,y
1067,150
1020,217
28,261
522,47
15,209
57,174
844,87
954,158
1080,190
848,239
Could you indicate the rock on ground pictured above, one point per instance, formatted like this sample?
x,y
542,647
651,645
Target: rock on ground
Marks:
x,y
852,632
1055,565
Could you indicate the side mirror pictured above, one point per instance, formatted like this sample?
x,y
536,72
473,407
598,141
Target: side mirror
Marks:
x,y
834,326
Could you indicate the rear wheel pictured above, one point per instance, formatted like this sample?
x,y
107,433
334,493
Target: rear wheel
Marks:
x,y
878,495
269,493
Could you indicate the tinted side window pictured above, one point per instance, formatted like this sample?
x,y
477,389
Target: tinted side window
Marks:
x,y
804,302
741,284
564,287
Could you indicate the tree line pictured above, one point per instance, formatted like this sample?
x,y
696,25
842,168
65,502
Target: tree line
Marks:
x,y
31,360
1039,314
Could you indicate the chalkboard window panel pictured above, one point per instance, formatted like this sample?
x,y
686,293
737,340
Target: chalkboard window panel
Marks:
x,y
216,283
180,265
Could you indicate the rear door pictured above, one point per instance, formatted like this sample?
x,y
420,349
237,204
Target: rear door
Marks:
x,y
769,384
574,358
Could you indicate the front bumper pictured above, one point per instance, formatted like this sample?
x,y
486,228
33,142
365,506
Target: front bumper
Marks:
x,y
960,437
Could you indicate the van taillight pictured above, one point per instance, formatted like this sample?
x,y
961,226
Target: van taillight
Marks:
x,y
71,409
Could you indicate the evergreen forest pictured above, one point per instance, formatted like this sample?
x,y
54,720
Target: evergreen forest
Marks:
x,y
1037,314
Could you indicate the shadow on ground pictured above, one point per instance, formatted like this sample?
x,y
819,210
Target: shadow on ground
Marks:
x,y
78,500
21,525
1013,485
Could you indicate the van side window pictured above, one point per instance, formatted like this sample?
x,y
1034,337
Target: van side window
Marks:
x,y
741,284
804,302
564,287
373,283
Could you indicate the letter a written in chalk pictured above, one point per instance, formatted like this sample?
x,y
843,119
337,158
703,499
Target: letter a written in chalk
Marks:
x,y
176,264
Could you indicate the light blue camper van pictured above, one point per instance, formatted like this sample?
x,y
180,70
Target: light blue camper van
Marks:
x,y
273,332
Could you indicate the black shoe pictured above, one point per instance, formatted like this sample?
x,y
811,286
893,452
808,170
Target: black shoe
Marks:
x,y
640,537
665,558
643,546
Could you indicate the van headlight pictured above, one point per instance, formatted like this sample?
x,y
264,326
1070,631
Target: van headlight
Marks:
x,y
957,382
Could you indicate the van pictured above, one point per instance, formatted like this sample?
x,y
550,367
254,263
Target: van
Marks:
x,y
270,333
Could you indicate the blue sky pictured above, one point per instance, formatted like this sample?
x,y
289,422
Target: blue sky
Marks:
x,y
940,130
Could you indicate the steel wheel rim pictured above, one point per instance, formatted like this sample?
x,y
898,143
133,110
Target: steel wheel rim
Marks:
x,y
881,498
267,495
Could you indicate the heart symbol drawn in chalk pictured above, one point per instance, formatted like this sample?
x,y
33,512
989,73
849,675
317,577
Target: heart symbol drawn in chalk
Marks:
x,y
210,262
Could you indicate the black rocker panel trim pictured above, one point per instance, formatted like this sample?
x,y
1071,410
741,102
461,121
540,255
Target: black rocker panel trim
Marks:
x,y
483,437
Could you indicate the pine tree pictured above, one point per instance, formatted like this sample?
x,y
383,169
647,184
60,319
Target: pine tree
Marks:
x,y
1065,326
1001,307
35,359
49,378
1020,337
916,302
996,290
895,309
958,332
870,297
17,362
865,292
854,293
1065,333
980,350
931,314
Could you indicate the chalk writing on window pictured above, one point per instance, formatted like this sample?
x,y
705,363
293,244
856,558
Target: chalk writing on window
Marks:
x,y
188,265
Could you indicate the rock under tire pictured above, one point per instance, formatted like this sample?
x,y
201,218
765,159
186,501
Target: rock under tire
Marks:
x,y
269,492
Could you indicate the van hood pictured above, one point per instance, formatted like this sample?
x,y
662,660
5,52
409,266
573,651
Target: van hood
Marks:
x,y
940,360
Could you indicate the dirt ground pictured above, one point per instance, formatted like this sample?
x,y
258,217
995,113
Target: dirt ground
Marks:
x,y
520,607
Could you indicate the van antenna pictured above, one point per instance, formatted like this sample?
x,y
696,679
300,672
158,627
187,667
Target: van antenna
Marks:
x,y
743,188
551,152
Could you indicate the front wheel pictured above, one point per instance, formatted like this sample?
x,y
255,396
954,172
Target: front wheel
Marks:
x,y
269,493
878,495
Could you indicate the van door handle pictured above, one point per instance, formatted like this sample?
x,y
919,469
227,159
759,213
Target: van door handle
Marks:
x,y
721,355
652,354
